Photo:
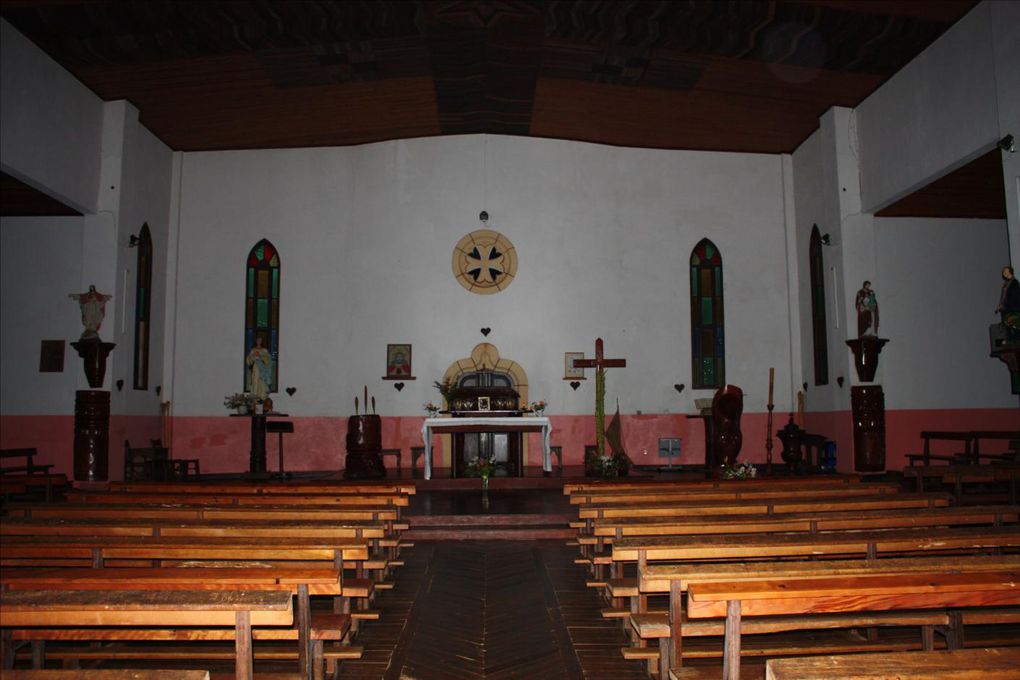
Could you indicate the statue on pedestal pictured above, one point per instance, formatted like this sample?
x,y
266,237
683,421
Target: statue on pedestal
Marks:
x,y
867,311
93,310
1009,305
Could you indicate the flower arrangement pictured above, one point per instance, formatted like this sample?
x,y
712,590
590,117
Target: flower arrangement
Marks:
x,y
742,470
481,467
244,402
445,388
538,407
431,409
608,466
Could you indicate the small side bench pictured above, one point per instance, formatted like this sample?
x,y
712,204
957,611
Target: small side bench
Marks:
x,y
28,466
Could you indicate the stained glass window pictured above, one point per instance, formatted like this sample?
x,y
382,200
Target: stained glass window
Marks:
x,y
708,349
818,330
143,302
262,306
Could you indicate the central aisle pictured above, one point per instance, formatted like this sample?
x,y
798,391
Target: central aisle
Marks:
x,y
491,609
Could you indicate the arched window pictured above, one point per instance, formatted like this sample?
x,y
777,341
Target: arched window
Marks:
x,y
143,302
818,332
708,346
262,306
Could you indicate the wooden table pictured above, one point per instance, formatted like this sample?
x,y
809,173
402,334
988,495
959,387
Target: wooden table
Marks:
x,y
241,609
481,424
257,457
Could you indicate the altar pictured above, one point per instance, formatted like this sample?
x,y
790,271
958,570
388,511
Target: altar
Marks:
x,y
433,426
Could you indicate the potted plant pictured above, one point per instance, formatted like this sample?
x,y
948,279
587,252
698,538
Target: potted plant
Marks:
x,y
242,402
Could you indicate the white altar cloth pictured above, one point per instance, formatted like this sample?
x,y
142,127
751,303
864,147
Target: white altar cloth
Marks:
x,y
486,424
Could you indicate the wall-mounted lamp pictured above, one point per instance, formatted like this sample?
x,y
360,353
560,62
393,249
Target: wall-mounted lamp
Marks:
x,y
133,241
483,216
1008,144
826,240
840,380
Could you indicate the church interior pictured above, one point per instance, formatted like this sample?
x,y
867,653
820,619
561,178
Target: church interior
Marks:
x,y
528,330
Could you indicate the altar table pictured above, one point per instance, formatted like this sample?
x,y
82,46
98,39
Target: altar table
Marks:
x,y
487,424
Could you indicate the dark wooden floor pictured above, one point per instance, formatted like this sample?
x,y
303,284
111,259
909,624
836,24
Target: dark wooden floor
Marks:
x,y
490,609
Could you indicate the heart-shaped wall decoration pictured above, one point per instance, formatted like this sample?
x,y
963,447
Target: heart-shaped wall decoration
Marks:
x,y
486,331
291,391
805,387
399,386
679,387
575,384
120,385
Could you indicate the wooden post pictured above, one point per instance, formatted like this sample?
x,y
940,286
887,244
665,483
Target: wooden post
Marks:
x,y
731,652
242,645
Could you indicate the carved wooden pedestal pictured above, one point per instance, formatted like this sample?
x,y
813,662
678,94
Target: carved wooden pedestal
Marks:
x,y
868,404
93,354
364,443
91,435
866,350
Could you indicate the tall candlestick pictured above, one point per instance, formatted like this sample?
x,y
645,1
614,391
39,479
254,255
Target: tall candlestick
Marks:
x,y
772,381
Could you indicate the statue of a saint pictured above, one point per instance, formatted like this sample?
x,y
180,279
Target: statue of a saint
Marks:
x,y
867,311
260,370
1009,305
93,310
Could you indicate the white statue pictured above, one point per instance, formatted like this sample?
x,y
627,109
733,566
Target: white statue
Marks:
x,y
93,310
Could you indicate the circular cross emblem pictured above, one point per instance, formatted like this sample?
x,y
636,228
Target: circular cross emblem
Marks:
x,y
484,262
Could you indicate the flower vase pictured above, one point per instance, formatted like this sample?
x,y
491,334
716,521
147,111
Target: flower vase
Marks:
x,y
485,483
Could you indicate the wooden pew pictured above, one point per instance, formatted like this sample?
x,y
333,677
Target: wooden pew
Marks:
x,y
952,664
932,590
49,484
105,674
191,527
675,579
639,496
226,513
213,499
955,475
571,488
302,583
1009,436
868,544
116,551
266,488
813,522
239,609
926,456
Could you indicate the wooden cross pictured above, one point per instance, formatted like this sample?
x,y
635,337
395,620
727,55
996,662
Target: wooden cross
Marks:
x,y
600,364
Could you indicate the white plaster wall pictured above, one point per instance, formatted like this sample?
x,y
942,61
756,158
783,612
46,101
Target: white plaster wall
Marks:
x,y
816,190
940,283
50,124
942,109
144,186
366,236
40,264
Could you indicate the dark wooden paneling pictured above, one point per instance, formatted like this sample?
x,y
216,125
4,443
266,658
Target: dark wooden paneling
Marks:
x,y
17,199
742,76
975,190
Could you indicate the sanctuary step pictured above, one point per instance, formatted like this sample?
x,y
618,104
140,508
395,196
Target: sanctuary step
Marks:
x,y
506,514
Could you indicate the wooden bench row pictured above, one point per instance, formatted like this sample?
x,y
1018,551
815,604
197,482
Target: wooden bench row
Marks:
x,y
302,551
713,541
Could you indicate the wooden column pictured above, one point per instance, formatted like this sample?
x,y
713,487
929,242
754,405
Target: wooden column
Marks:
x,y
868,405
91,435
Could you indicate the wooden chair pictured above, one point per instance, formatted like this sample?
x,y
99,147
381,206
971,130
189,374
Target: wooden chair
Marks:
x,y
146,464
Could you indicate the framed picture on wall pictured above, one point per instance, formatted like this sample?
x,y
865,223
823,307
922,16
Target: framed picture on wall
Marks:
x,y
398,362
484,404
569,371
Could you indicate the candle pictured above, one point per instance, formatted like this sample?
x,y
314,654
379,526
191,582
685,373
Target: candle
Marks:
x,y
772,381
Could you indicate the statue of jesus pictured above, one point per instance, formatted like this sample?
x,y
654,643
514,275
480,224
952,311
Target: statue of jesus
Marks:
x,y
93,310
